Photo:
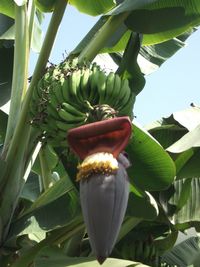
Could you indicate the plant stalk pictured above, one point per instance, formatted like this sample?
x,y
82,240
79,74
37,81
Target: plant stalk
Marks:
x,y
45,171
31,19
15,157
20,70
101,37
39,70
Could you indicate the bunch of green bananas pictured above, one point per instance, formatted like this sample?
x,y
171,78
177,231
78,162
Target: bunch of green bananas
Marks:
x,y
70,94
142,251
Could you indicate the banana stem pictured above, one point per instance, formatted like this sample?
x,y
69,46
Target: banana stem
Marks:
x,y
45,171
31,19
20,69
39,69
16,157
102,36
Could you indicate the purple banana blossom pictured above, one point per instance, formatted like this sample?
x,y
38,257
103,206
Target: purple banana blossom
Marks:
x,y
104,200
104,184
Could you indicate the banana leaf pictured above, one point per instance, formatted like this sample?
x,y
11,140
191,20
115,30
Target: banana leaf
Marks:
x,y
93,7
185,254
54,208
53,257
152,168
7,8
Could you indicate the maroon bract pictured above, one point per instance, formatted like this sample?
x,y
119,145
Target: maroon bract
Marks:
x,y
110,136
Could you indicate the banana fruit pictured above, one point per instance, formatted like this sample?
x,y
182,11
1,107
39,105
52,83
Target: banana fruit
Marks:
x,y
72,94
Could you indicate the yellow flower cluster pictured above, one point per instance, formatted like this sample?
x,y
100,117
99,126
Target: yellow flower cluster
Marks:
x,y
101,162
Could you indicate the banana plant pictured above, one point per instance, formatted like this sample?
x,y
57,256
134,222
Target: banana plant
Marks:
x,y
80,180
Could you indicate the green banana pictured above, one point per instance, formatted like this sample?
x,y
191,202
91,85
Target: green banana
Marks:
x,y
52,112
69,117
93,85
116,91
127,92
74,82
54,101
71,109
102,87
34,107
84,89
40,87
35,95
69,95
66,126
110,82
65,90
57,89
127,108
124,94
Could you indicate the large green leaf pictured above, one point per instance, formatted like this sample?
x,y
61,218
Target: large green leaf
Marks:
x,y
166,134
152,168
182,202
189,193
7,7
9,33
153,56
152,18
51,159
93,7
188,141
5,23
184,254
141,205
172,133
188,118
55,237
150,57
129,5
45,6
54,208
31,189
128,67
53,257
188,164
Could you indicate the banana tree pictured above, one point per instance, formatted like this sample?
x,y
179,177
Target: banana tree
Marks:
x,y
74,121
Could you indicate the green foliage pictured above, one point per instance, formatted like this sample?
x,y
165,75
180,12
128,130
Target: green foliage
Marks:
x,y
7,8
184,254
3,125
152,168
93,7
152,18
45,6
40,211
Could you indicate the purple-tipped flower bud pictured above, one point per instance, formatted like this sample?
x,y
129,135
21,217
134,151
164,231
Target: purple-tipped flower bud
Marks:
x,y
104,200
104,186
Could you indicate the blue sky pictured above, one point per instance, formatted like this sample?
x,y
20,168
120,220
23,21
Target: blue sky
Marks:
x,y
171,88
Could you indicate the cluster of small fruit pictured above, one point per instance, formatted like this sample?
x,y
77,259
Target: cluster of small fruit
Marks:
x,y
70,94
